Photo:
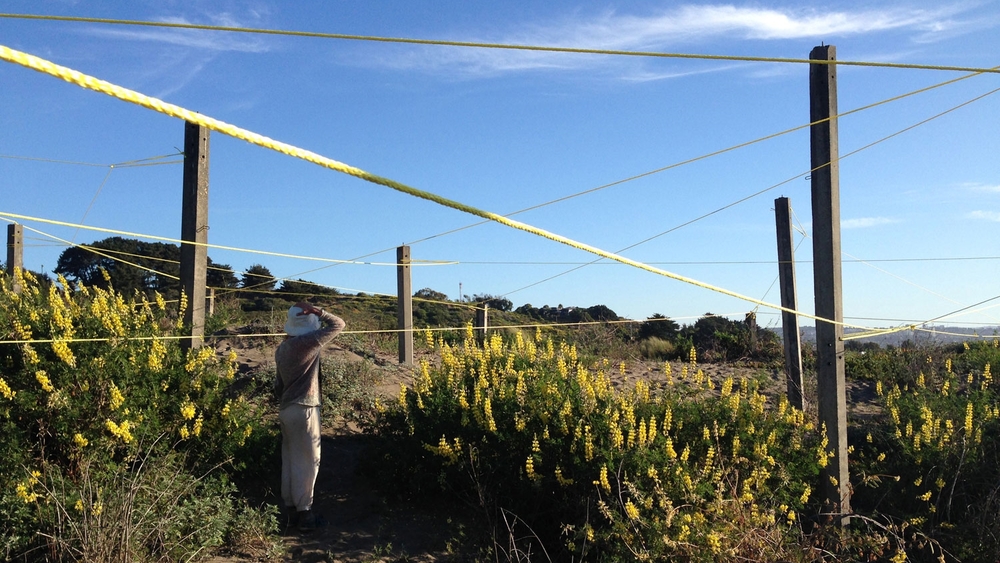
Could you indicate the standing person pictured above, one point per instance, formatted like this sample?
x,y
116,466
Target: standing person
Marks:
x,y
298,380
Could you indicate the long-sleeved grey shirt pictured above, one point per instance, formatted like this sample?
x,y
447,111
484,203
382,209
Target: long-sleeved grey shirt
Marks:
x,y
297,360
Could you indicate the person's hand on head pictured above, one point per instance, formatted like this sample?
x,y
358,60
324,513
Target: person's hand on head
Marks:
x,y
308,308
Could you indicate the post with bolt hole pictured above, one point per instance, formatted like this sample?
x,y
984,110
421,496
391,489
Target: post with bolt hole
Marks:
x,y
404,308
831,386
194,231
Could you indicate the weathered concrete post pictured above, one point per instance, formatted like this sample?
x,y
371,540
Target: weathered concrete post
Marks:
x,y
15,253
482,322
404,310
789,300
194,231
831,385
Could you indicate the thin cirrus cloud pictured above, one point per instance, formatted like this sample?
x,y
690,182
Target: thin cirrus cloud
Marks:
x,y
867,222
670,29
985,215
177,57
205,40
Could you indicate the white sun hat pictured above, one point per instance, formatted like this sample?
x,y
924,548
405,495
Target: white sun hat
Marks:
x,y
298,324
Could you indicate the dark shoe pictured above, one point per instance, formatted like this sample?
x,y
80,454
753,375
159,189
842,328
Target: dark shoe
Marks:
x,y
291,517
307,520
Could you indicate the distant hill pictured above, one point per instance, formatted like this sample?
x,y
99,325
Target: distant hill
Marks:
x,y
940,335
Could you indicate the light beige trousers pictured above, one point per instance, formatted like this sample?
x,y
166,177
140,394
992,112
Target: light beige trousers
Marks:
x,y
300,449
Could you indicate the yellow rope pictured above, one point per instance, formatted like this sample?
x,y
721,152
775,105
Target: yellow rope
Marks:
x,y
89,82
11,216
481,45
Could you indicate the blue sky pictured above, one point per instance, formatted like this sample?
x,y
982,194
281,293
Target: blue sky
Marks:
x,y
504,130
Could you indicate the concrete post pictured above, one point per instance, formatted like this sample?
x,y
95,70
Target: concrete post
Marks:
x,y
831,384
404,311
15,253
194,229
789,300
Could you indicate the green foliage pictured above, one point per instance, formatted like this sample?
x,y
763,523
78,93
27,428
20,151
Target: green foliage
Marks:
x,y
495,303
932,461
560,314
718,339
608,474
973,356
348,389
299,288
659,326
132,265
97,398
258,277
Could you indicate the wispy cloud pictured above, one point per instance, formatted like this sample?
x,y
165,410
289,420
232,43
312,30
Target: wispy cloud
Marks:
x,y
205,40
985,215
866,222
169,59
674,28
982,188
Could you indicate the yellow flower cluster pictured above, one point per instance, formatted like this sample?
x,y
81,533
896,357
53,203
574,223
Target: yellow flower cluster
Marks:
x,y
188,409
123,431
26,489
449,451
6,391
157,352
43,380
115,397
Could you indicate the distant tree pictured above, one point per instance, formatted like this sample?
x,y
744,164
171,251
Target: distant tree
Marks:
x,y
494,302
259,277
221,275
601,313
303,287
130,264
430,295
659,326
134,265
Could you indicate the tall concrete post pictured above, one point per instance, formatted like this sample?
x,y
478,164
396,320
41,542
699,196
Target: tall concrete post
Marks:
x,y
482,322
15,253
789,300
194,229
831,385
404,310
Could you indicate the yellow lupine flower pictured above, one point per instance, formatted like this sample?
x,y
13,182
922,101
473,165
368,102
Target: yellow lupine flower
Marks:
x,y
805,495
61,348
529,467
631,510
80,441
602,480
43,380
115,397
968,418
6,391
560,479
188,410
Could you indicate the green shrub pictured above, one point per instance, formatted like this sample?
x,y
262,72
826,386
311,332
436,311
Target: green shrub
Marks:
x,y
99,407
932,462
656,349
698,471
